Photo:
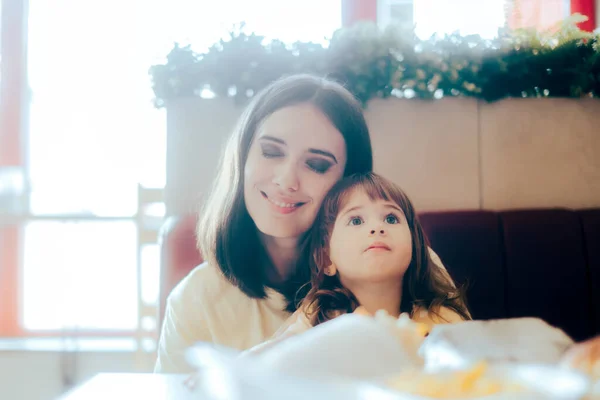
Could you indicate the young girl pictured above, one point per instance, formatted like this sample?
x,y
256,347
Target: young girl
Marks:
x,y
370,251
369,254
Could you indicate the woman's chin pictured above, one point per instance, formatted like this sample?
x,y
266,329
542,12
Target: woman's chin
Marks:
x,y
280,233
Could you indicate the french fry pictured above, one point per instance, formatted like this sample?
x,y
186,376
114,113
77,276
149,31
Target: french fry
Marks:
x,y
469,383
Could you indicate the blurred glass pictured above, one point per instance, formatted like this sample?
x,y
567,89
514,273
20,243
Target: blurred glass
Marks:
x,y
12,191
80,275
94,136
470,17
93,131
150,267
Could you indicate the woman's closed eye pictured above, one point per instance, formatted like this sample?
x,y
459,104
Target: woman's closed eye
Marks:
x,y
270,151
318,165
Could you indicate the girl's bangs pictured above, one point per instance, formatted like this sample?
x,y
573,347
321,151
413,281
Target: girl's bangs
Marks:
x,y
372,185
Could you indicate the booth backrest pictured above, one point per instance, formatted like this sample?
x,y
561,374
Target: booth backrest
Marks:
x,y
538,262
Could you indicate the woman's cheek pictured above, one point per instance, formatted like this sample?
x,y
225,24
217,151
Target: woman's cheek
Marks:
x,y
324,185
257,168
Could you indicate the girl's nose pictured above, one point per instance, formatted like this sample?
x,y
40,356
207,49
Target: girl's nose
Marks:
x,y
381,231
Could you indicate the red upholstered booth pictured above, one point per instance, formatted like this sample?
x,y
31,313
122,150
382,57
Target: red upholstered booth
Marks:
x,y
538,262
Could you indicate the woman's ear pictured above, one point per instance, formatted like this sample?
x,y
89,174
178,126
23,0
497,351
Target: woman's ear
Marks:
x,y
331,270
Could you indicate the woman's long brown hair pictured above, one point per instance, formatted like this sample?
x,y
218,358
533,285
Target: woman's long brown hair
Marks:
x,y
227,235
425,285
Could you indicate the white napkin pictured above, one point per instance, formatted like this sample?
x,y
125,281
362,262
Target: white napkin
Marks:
x,y
350,357
351,346
516,340
223,375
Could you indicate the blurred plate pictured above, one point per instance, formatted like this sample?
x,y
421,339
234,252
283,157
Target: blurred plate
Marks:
x,y
537,381
223,375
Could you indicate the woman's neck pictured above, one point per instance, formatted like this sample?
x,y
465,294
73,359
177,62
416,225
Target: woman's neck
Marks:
x,y
283,254
379,296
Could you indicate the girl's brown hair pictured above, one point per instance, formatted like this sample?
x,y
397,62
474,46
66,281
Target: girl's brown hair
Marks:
x,y
227,235
424,285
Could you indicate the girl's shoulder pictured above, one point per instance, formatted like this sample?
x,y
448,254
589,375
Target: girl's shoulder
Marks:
x,y
443,315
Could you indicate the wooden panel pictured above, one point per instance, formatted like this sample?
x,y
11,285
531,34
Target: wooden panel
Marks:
x,y
197,131
540,153
451,154
429,148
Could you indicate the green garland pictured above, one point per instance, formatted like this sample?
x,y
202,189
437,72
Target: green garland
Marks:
x,y
562,62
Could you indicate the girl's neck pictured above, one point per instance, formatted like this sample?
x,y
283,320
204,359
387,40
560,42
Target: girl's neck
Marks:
x,y
379,296
283,254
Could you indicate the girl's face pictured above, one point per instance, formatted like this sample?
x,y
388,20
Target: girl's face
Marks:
x,y
370,242
295,158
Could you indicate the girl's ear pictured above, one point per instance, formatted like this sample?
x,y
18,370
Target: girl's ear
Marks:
x,y
331,270
322,261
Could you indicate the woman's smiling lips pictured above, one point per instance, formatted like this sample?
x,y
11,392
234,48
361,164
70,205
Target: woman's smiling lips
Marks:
x,y
378,246
282,205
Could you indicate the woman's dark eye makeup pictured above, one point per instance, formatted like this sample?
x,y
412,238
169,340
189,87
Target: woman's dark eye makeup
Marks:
x,y
319,165
270,151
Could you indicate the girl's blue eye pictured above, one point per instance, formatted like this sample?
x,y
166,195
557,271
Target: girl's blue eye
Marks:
x,y
355,221
391,219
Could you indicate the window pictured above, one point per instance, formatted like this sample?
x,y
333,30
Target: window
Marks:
x,y
190,21
94,143
470,16
397,12
93,263
87,163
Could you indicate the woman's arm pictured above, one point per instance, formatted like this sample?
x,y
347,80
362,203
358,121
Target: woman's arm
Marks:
x,y
184,324
175,339
438,262
297,323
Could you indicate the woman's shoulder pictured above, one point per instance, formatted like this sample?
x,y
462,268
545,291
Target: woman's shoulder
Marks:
x,y
203,285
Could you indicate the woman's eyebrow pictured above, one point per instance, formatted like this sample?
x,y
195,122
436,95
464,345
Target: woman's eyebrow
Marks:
x,y
272,139
323,153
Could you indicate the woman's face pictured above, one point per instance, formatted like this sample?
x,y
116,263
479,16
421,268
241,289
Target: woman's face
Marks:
x,y
295,158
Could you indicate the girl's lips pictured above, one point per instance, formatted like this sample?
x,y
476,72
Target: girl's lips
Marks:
x,y
378,246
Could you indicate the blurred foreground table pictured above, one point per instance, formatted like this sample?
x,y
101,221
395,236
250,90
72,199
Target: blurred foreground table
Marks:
x,y
133,386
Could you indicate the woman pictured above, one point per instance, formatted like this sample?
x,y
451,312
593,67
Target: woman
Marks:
x,y
295,140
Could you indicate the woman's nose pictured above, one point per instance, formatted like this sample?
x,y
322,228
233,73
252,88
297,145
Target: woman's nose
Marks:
x,y
286,177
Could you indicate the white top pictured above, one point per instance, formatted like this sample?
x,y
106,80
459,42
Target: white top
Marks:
x,y
206,307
